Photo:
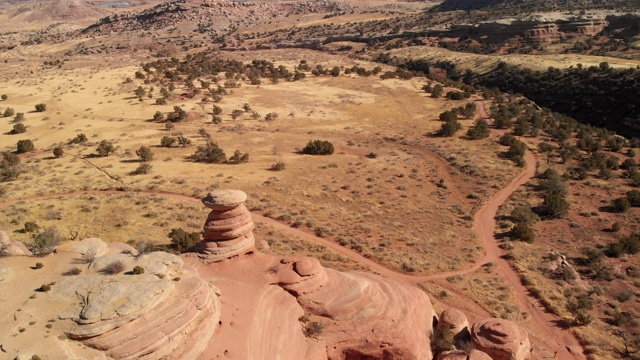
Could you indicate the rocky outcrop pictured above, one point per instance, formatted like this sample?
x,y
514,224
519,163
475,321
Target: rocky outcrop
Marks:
x,y
501,339
457,322
10,247
166,312
228,229
365,316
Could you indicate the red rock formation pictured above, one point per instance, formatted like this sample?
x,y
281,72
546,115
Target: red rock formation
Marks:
x,y
227,231
457,321
501,339
365,316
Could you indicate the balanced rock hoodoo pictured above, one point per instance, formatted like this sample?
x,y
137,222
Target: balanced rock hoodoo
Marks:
x,y
228,229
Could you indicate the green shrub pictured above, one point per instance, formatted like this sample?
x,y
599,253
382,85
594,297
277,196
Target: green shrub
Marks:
x,y
278,166
145,153
479,130
182,240
554,206
318,147
25,146
105,148
138,270
523,232
18,129
210,153
58,151
621,204
45,242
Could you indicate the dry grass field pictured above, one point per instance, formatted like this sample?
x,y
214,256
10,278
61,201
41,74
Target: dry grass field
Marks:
x,y
377,206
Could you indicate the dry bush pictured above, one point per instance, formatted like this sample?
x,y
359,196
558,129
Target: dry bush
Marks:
x,y
113,268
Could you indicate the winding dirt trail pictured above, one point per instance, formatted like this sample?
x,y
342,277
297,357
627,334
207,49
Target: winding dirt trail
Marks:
x,y
541,323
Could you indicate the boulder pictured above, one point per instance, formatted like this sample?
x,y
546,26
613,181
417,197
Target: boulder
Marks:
x,y
161,264
501,339
457,321
10,247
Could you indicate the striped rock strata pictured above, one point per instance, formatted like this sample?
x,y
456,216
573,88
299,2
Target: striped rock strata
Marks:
x,y
365,316
228,229
169,312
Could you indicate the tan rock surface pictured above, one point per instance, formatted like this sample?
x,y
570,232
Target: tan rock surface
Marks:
x,y
501,339
9,247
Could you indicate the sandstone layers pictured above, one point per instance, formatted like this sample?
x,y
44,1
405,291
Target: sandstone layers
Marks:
x,y
249,306
167,312
368,317
227,231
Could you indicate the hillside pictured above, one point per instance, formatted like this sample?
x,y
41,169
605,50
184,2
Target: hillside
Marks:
x,y
534,5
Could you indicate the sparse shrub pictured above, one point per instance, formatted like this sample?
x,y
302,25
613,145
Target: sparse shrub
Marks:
x,y
507,139
41,107
479,130
523,232
137,270
105,148
44,288
18,129
278,166
271,116
318,147
79,139
142,169
25,146
216,119
39,265
210,153
634,197
72,272
182,240
8,112
113,268
19,117
448,116
238,157
30,226
4,97
449,128
442,340
615,227
145,153
437,91
158,116
217,110
313,329
44,242
554,206
183,141
621,204
58,152
167,141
